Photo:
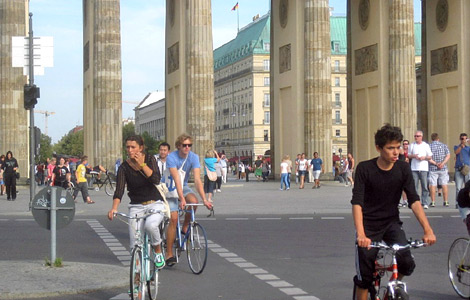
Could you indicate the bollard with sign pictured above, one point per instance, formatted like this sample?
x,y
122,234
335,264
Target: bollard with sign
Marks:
x,y
53,208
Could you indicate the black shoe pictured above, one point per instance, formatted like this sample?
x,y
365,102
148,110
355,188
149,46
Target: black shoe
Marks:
x,y
171,261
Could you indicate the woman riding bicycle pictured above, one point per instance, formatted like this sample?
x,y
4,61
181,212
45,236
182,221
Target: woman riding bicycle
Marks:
x,y
140,173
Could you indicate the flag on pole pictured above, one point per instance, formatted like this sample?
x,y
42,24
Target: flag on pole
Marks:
x,y
235,7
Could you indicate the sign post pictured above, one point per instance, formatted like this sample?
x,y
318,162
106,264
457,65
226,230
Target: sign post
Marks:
x,y
53,208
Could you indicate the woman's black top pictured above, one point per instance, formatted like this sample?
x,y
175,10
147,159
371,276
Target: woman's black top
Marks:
x,y
60,175
140,187
9,164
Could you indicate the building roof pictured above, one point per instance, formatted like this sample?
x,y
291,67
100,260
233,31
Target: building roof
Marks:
x,y
152,97
250,40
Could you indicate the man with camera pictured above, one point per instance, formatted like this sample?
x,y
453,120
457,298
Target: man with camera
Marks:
x,y
462,163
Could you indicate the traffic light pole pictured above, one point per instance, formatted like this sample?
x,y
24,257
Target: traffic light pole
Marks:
x,y
32,181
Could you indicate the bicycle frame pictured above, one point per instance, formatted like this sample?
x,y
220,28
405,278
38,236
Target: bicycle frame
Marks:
x,y
181,241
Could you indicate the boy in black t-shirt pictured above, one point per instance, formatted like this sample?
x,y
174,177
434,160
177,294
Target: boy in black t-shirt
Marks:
x,y
378,186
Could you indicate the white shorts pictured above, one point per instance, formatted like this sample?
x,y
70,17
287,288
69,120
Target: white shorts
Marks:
x,y
442,175
316,174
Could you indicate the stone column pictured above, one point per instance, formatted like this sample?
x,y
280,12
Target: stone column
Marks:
x,y
318,125
14,119
105,92
402,75
199,76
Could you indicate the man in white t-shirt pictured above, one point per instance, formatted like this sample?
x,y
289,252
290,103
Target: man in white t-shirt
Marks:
x,y
420,153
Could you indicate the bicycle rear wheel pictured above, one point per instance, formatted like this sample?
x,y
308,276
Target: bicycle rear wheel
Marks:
x,y
137,284
196,248
459,266
152,283
110,187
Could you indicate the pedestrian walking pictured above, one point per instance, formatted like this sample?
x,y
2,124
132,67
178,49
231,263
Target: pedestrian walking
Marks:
x,y
284,173
462,163
82,184
317,168
10,167
223,163
210,160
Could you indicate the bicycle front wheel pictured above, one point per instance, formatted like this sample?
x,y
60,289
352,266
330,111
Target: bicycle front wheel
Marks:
x,y
137,283
152,283
459,266
196,248
110,187
400,294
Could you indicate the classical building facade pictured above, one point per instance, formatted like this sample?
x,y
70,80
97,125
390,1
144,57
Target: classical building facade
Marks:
x,y
150,116
242,92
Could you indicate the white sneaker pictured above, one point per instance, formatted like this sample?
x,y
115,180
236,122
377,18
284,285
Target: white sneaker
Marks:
x,y
426,207
219,191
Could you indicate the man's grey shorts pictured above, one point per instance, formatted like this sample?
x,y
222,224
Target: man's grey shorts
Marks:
x,y
173,202
443,176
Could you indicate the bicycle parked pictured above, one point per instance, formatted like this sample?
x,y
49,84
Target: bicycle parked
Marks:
x,y
386,262
143,273
194,241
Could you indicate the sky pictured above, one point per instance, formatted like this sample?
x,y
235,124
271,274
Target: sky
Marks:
x,y
142,52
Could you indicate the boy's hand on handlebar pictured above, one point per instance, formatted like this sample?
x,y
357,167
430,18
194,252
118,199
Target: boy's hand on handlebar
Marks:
x,y
429,238
182,203
208,204
363,241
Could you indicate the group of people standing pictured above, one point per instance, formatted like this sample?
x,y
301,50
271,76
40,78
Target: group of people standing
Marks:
x,y
429,166
313,167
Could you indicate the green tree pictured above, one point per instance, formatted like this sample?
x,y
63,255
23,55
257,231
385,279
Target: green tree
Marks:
x,y
45,150
70,144
151,144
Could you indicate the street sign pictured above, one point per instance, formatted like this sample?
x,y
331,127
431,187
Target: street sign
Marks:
x,y
65,207
43,53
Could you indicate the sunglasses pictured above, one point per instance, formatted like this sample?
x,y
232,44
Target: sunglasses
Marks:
x,y
463,138
187,145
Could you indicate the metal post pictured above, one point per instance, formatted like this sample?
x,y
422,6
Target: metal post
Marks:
x,y
32,186
53,223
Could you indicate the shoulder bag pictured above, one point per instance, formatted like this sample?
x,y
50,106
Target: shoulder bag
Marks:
x,y
464,169
212,175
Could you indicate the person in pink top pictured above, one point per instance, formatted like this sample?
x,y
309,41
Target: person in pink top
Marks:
x,y
50,170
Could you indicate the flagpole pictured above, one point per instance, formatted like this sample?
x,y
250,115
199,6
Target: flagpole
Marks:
x,y
238,19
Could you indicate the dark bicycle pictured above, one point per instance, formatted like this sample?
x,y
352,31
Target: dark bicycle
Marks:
x,y
109,182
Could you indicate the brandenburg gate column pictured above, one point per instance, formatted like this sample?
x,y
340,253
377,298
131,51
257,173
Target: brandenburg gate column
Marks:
x,y
402,74
102,90
189,84
448,65
14,120
381,73
318,124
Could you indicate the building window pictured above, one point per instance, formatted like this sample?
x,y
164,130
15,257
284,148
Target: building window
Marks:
x,y
337,117
336,65
266,81
336,47
266,46
337,99
266,64
267,100
336,81
267,117
266,136
338,133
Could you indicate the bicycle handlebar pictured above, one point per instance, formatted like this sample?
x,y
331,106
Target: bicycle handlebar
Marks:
x,y
147,213
396,247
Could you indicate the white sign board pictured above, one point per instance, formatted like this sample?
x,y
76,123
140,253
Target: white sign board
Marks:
x,y
43,52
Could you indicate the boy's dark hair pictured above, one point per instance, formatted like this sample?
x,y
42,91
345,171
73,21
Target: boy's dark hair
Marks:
x,y
463,134
164,144
386,134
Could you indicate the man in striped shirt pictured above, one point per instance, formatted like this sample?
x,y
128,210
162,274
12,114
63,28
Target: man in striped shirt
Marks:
x,y
438,169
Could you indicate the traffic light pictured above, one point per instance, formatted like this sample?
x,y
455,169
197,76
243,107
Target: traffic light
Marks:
x,y
31,93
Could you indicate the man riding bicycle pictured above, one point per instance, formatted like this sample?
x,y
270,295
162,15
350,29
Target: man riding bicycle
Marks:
x,y
182,159
378,186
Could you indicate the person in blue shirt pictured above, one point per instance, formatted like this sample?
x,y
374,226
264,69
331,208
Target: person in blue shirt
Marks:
x,y
462,152
212,157
317,166
180,161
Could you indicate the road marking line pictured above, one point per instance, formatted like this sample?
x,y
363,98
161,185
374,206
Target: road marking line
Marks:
x,y
263,219
332,218
112,243
455,216
433,216
301,218
260,273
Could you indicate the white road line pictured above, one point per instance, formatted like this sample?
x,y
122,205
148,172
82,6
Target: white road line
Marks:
x,y
263,219
436,217
271,279
112,243
332,218
301,218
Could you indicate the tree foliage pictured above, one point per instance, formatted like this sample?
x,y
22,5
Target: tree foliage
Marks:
x,y
70,144
151,144
45,150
